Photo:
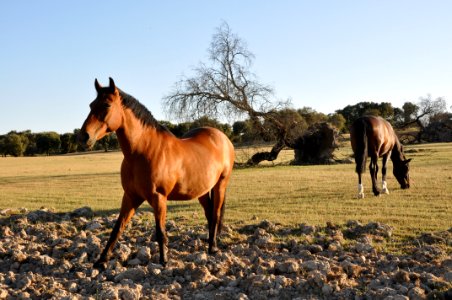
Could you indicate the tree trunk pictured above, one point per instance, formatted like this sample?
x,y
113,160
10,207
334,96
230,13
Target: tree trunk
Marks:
x,y
269,156
317,145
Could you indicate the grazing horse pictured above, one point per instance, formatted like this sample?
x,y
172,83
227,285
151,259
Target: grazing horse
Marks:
x,y
375,137
158,166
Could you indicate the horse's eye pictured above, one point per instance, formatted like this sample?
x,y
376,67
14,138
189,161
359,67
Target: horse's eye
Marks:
x,y
100,105
103,106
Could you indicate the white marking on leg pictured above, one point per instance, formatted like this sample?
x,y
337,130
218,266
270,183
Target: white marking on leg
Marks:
x,y
360,191
384,189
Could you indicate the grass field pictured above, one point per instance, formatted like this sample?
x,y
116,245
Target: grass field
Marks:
x,y
282,194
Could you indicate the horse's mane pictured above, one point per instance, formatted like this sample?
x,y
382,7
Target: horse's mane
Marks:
x,y
397,151
140,111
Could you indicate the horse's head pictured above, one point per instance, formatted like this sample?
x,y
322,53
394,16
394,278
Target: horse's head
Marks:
x,y
105,115
401,172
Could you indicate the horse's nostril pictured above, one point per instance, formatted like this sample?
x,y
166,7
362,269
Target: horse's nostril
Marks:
x,y
82,137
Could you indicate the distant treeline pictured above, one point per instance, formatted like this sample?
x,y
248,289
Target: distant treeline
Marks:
x,y
27,143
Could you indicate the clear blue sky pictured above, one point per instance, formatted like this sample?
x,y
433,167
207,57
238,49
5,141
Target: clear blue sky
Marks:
x,y
321,54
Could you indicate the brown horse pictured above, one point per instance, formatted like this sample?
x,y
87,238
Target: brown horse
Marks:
x,y
375,137
158,166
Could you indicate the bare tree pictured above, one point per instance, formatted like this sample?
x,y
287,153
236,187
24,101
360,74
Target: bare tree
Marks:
x,y
421,114
428,108
227,87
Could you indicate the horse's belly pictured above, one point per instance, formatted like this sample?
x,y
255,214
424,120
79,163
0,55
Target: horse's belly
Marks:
x,y
180,197
188,193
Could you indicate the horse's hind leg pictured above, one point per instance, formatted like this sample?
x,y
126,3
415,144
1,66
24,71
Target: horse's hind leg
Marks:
x,y
384,185
127,211
360,161
219,192
373,167
207,205
360,187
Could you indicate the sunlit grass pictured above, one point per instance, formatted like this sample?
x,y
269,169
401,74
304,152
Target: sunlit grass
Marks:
x,y
282,194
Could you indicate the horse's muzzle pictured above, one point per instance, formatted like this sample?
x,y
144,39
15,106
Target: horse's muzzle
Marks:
x,y
84,140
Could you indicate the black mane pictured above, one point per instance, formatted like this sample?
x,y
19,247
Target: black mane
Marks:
x,y
397,154
140,111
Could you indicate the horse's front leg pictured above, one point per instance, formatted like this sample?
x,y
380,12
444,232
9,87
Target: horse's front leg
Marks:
x,y
128,208
384,185
373,167
158,203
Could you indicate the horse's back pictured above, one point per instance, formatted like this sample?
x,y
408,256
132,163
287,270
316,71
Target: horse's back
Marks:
x,y
209,141
379,134
208,136
205,156
205,133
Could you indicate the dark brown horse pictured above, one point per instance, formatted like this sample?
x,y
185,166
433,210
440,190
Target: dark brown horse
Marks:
x,y
374,137
158,166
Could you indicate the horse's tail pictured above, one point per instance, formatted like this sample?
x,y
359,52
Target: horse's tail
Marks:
x,y
360,136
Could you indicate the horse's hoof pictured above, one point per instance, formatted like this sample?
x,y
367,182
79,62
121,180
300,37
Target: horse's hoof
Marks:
x,y
385,191
361,196
100,265
213,250
163,263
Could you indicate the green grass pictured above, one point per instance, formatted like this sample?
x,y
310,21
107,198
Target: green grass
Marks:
x,y
282,194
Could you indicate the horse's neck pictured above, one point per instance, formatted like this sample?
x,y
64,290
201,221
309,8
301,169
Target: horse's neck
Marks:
x,y
131,133
397,154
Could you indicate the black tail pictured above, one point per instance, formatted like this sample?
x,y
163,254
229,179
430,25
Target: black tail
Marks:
x,y
360,137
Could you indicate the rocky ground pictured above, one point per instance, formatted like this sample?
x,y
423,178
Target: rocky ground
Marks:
x,y
48,255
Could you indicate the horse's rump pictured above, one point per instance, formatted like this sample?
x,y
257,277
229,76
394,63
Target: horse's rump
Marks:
x,y
358,138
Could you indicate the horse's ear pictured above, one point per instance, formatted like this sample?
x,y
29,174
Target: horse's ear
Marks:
x,y
408,160
112,85
97,85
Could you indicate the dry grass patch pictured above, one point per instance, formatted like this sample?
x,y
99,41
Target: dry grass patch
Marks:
x,y
283,194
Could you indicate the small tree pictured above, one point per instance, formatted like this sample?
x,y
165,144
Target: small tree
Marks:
x,y
3,151
245,132
48,142
410,111
15,144
206,121
423,113
337,120
68,143
311,116
439,129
